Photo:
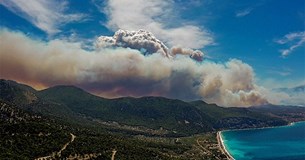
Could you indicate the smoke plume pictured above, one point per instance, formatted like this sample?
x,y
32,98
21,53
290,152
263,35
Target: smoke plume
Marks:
x,y
123,70
145,42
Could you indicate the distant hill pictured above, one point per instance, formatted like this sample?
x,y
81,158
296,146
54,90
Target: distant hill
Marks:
x,y
288,113
150,112
16,93
236,117
149,115
297,89
295,95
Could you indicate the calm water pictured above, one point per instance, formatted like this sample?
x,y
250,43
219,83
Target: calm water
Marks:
x,y
280,143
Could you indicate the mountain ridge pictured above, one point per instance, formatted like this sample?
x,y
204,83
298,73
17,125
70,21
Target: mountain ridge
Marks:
x,y
73,104
138,128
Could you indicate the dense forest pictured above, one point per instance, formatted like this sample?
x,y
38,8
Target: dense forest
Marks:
x,y
67,122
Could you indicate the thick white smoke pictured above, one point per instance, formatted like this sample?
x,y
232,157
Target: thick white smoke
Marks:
x,y
145,42
115,72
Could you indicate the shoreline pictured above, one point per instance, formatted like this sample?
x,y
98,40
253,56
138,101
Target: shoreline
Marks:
x,y
289,124
222,146
226,152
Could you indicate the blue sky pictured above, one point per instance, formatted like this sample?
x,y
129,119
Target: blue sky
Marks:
x,y
246,30
269,35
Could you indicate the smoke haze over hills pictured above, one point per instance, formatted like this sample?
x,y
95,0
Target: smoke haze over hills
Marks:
x,y
121,70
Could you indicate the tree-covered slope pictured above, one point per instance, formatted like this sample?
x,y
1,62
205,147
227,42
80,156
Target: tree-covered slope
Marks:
x,y
17,93
151,112
37,123
236,118
27,136
74,105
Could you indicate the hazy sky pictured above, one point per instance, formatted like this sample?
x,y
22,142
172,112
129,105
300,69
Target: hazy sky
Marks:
x,y
258,45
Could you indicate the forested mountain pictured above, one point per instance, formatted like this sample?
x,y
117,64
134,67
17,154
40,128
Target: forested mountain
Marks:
x,y
39,123
169,116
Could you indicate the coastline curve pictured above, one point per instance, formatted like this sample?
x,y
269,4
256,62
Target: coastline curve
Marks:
x,y
222,147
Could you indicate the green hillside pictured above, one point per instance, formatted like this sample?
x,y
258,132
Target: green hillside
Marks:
x,y
38,123
236,118
27,136
287,113
146,115
151,112
16,93
157,112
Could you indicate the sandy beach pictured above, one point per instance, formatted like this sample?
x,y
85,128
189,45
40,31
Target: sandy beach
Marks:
x,y
222,146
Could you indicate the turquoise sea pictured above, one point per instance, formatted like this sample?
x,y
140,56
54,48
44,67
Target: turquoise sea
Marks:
x,y
279,143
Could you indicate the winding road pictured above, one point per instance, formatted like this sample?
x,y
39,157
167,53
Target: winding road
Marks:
x,y
59,152
113,154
